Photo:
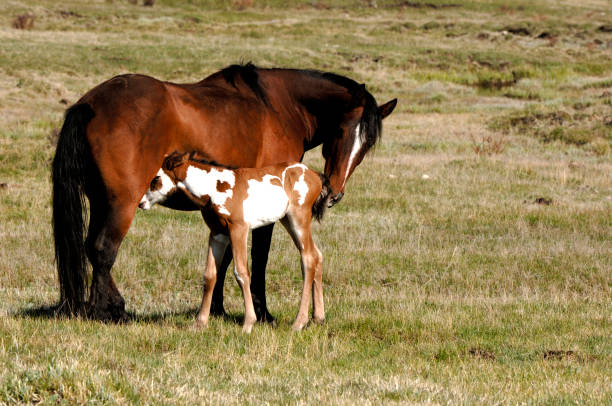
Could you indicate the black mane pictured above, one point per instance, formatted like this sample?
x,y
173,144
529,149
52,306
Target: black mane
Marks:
x,y
248,75
370,125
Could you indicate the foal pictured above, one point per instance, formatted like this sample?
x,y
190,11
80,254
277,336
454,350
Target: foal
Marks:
x,y
233,201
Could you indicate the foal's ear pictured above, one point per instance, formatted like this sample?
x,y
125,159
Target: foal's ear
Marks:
x,y
173,160
387,108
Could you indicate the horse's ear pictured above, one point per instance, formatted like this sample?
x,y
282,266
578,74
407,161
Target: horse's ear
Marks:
x,y
387,108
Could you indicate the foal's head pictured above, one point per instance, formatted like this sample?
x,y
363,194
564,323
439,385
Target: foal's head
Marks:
x,y
164,183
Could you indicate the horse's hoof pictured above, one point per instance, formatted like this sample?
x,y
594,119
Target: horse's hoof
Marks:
x,y
265,317
217,311
112,314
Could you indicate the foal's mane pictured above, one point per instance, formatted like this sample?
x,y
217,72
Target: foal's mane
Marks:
x,y
177,158
199,157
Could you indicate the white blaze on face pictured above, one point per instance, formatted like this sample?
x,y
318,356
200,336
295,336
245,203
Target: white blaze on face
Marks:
x,y
160,193
201,182
356,148
265,202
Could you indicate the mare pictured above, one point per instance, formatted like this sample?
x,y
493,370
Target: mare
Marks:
x,y
115,137
232,202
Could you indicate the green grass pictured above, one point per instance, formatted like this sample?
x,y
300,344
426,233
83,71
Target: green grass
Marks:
x,y
486,281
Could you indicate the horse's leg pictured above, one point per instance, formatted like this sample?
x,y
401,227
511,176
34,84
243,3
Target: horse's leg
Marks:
x,y
216,248
239,234
107,227
312,268
259,259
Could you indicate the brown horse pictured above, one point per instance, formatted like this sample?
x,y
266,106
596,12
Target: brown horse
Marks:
x,y
233,201
115,137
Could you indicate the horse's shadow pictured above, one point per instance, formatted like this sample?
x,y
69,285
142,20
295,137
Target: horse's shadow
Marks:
x,y
182,318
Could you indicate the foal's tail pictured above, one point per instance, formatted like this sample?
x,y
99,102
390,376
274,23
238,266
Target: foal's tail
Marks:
x,y
322,202
69,170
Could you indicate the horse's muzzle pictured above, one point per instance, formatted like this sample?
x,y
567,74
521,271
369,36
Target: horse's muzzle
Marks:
x,y
335,199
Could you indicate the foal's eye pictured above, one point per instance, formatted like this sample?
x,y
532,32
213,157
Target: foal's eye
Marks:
x,y
155,183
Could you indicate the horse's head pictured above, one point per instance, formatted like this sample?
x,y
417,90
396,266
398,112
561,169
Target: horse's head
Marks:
x,y
164,183
359,131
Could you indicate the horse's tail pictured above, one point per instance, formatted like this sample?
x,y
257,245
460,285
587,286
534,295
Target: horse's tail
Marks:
x,y
322,202
69,171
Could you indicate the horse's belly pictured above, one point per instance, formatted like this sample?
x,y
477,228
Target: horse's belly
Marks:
x,y
265,203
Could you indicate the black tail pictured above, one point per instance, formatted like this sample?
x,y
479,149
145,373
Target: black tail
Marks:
x,y
68,175
322,202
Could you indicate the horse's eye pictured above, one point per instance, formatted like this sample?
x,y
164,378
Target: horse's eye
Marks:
x,y
155,183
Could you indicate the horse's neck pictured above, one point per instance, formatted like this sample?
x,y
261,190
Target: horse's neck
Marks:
x,y
318,103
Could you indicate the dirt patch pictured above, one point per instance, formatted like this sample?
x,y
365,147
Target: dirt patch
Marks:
x,y
481,353
69,14
419,4
24,22
565,355
605,28
545,201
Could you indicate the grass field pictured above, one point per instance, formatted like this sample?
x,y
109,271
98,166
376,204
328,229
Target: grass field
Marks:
x,y
470,261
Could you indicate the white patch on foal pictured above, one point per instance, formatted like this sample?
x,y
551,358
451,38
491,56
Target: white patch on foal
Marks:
x,y
238,278
265,202
201,182
356,148
300,186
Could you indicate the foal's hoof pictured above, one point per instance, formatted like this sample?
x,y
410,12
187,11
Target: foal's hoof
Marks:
x,y
198,325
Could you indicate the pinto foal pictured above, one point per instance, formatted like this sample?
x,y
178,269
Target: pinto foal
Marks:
x,y
232,202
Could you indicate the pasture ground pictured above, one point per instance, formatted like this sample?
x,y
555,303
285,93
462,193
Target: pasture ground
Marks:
x,y
487,281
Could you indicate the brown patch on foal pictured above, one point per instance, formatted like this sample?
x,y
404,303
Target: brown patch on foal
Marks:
x,y
222,186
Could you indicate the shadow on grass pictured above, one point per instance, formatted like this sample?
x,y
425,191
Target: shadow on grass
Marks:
x,y
178,318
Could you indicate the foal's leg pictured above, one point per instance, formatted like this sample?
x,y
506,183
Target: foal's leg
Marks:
x,y
298,227
262,237
216,248
239,234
